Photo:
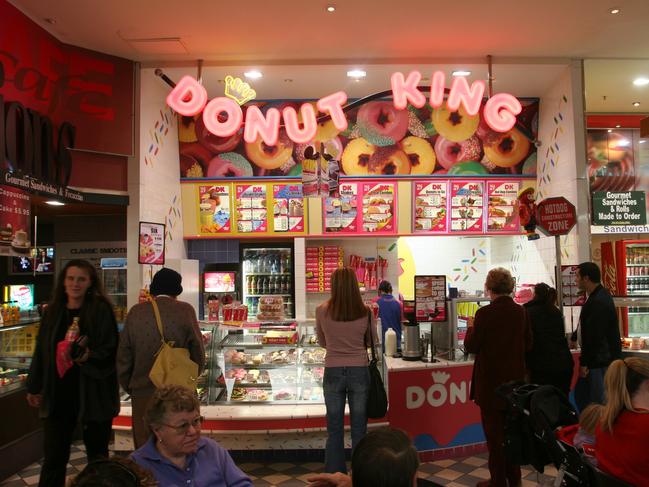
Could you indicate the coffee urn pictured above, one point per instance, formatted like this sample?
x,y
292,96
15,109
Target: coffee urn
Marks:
x,y
411,347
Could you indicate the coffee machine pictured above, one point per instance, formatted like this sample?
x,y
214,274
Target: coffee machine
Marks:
x,y
411,345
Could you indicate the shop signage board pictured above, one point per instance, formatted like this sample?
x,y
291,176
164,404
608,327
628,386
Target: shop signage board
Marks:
x,y
15,206
152,243
340,214
215,209
556,216
430,298
288,208
90,251
467,206
502,209
570,295
37,186
430,207
252,208
433,406
379,207
619,208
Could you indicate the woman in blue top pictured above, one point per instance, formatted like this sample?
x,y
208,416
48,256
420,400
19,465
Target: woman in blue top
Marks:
x,y
390,311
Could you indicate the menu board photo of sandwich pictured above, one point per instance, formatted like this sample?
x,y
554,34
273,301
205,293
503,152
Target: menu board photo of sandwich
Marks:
x,y
430,207
378,207
467,204
252,211
288,208
430,298
341,213
503,206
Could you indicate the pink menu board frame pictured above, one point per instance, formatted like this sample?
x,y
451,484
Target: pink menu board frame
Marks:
x,y
466,206
288,209
341,215
430,207
502,206
379,204
252,208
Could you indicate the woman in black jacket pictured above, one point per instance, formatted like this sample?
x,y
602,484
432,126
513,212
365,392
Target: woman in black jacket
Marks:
x,y
549,361
81,387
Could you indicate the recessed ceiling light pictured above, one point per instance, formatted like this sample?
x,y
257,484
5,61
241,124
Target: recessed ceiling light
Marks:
x,y
356,73
331,8
614,10
55,203
461,72
641,81
254,74
610,130
618,126
636,103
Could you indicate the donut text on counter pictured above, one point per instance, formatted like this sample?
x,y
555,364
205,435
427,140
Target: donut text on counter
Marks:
x,y
223,116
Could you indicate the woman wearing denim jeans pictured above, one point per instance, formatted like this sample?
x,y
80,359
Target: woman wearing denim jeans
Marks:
x,y
343,330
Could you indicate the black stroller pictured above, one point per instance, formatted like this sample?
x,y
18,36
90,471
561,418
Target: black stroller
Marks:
x,y
534,413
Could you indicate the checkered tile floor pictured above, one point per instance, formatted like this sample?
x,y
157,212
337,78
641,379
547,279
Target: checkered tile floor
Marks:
x,y
452,473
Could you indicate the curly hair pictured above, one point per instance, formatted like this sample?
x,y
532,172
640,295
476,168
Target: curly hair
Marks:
x,y
500,281
170,399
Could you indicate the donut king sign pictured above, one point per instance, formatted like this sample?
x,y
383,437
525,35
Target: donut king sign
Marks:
x,y
189,98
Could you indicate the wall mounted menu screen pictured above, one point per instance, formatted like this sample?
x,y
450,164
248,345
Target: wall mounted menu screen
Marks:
x,y
503,206
341,214
252,211
430,207
467,204
288,208
378,207
430,298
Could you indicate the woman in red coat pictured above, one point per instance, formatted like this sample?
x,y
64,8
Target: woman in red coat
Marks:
x,y
499,336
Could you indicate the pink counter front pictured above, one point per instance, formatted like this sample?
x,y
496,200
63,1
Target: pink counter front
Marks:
x,y
431,403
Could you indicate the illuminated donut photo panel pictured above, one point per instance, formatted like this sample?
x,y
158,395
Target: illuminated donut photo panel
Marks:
x,y
441,129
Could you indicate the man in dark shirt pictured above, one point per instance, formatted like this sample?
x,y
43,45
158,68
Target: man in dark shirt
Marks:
x,y
600,336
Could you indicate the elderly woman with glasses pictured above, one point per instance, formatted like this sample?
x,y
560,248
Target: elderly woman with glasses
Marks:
x,y
176,453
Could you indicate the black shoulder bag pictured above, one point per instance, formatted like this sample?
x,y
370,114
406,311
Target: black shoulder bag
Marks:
x,y
377,399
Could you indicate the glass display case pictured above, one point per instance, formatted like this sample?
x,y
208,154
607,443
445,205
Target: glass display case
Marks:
x,y
633,314
113,276
17,344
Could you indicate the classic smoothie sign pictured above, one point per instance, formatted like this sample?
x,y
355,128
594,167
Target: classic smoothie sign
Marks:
x,y
189,98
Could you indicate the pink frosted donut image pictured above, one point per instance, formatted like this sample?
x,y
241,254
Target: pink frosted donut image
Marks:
x,y
381,118
450,153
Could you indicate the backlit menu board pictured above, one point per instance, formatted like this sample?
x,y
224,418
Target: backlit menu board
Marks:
x,y
467,206
288,208
502,210
252,208
215,212
341,213
430,206
379,203
430,298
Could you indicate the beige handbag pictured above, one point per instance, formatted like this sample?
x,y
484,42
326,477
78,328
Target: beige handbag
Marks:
x,y
172,366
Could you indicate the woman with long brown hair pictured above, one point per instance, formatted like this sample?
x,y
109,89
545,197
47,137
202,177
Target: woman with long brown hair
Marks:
x,y
343,325
75,381
622,424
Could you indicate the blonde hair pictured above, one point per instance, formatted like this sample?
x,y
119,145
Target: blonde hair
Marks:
x,y
346,303
622,381
499,281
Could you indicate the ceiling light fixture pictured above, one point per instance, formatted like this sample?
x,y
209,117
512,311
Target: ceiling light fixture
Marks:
x,y
618,126
461,72
636,103
356,73
641,81
254,74
331,8
55,203
610,130
614,10
642,141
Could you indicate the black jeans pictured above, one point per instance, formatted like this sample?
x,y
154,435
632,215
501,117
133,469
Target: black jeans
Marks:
x,y
58,431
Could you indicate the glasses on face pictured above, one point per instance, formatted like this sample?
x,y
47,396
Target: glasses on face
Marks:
x,y
183,428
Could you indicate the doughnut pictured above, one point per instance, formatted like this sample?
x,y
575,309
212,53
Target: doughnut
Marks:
x,y
450,153
388,161
356,157
382,124
420,153
214,143
192,153
508,150
269,157
228,165
454,126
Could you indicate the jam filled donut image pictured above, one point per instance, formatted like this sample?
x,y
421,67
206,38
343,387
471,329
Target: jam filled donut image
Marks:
x,y
382,124
270,157
454,126
610,161
450,153
420,154
356,157
508,149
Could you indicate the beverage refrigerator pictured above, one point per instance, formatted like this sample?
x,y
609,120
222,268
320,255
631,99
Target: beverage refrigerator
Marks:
x,y
267,269
220,285
625,272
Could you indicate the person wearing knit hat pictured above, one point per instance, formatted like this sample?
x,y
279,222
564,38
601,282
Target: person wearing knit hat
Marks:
x,y
166,282
140,341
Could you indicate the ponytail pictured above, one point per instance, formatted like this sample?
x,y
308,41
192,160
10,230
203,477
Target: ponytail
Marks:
x,y
623,379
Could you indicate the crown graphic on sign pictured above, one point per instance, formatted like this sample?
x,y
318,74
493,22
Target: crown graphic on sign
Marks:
x,y
238,90
441,377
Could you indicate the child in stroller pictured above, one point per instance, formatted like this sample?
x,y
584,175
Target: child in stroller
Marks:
x,y
535,414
